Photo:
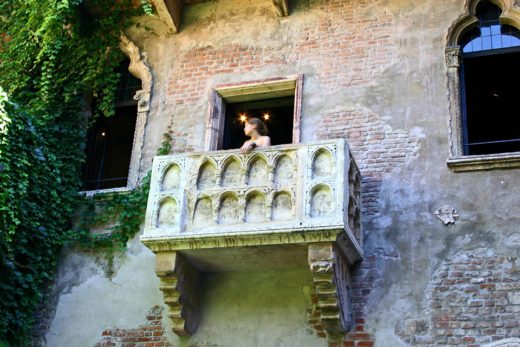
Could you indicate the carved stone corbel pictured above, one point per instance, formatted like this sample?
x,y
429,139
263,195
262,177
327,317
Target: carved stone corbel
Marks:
x,y
331,282
180,284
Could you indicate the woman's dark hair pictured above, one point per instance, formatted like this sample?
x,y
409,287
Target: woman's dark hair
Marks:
x,y
260,126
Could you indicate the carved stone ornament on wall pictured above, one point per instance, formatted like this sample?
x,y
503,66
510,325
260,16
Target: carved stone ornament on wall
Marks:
x,y
453,57
447,214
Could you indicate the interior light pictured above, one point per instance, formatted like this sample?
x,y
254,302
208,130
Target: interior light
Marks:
x,y
243,117
267,116
103,134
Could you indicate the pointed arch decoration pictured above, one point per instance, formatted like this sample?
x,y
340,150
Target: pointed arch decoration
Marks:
x,y
467,21
140,69
510,15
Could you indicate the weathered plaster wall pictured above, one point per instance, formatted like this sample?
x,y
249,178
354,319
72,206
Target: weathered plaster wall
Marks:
x,y
374,73
91,300
256,309
239,309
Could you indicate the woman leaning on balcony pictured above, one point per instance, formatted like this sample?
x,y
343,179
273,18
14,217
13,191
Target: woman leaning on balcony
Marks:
x,y
258,132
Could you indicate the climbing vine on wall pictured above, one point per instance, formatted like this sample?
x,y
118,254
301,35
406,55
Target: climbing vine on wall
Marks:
x,y
55,56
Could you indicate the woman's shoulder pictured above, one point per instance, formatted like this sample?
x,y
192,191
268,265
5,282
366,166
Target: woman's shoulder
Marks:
x,y
266,140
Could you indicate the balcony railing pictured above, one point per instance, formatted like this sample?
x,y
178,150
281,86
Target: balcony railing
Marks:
x,y
275,190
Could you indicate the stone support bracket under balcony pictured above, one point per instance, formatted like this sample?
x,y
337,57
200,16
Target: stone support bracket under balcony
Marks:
x,y
281,207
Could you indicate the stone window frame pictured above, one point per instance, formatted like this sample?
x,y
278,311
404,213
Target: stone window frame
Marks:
x,y
140,69
457,161
250,91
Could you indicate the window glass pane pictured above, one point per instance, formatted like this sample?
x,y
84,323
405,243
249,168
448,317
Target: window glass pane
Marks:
x,y
486,43
477,44
496,42
506,41
495,30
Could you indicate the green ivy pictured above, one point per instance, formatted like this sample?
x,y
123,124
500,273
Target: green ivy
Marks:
x,y
124,210
55,55
147,7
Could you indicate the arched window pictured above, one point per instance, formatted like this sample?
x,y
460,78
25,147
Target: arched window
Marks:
x,y
490,75
110,139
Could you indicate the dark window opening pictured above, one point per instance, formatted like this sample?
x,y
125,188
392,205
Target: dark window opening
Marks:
x,y
493,122
489,85
279,120
110,139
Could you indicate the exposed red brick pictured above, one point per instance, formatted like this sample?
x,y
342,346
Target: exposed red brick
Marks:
x,y
359,336
150,334
364,344
468,339
464,311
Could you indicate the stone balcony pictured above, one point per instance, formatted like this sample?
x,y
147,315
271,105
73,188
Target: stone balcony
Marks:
x,y
284,206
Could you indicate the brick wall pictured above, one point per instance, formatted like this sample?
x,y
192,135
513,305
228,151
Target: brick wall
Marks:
x,y
150,334
474,299
345,44
364,277
377,148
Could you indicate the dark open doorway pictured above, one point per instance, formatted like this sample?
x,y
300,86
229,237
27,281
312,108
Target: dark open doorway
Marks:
x,y
276,113
492,117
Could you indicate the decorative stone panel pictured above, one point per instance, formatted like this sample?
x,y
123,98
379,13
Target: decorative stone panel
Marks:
x,y
277,189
